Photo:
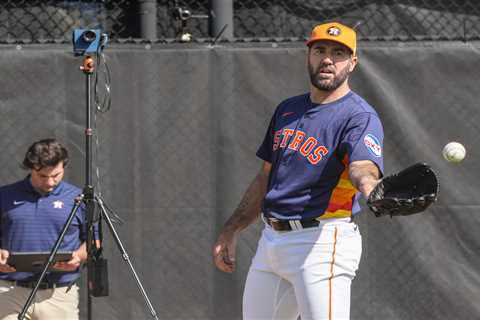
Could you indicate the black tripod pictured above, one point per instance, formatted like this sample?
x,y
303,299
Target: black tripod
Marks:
x,y
89,198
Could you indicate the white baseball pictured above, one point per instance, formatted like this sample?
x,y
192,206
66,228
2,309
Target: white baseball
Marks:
x,y
454,152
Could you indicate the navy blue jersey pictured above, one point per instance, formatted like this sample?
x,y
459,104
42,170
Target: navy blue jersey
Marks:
x,y
310,146
31,222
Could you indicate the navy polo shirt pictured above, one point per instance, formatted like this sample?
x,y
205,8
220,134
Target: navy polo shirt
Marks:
x,y
310,147
32,222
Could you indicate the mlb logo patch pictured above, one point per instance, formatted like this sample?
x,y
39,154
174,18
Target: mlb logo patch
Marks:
x,y
373,145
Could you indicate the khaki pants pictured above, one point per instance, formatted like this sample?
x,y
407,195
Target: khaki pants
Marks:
x,y
48,304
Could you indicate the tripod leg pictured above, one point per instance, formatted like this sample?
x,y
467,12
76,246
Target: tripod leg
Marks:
x,y
125,257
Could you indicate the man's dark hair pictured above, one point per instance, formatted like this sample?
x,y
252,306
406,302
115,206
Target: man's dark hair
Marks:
x,y
45,153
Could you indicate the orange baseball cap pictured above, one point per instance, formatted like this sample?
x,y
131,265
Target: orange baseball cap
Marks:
x,y
335,31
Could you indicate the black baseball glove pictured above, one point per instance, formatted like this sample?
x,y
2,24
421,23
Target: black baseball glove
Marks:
x,y
410,191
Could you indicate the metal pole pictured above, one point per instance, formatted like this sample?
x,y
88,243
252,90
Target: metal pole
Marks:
x,y
221,15
148,19
88,132
88,67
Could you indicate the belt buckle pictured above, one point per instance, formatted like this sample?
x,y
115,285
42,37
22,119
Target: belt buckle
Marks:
x,y
275,224
282,225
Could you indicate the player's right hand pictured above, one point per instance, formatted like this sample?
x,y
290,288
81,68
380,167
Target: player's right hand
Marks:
x,y
4,267
224,252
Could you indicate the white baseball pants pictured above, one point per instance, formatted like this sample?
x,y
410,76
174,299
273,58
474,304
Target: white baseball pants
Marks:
x,y
304,272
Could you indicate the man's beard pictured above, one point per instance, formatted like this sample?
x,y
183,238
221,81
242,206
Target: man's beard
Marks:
x,y
327,84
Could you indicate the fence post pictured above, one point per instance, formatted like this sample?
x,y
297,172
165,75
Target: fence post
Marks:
x,y
221,15
148,19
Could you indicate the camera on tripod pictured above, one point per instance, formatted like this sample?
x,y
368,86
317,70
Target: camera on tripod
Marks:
x,y
181,14
86,41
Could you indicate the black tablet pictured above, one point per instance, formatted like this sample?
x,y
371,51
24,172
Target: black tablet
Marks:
x,y
35,261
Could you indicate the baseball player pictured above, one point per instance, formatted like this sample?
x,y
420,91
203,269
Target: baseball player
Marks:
x,y
322,151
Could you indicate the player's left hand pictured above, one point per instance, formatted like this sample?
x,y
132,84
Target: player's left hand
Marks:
x,y
407,192
70,265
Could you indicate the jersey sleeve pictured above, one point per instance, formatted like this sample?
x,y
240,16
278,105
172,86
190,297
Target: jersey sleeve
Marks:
x,y
265,151
363,139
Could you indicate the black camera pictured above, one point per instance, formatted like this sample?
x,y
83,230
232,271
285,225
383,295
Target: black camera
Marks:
x,y
181,14
86,41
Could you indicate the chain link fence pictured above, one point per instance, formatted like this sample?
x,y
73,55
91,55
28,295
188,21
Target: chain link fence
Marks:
x,y
43,21
177,151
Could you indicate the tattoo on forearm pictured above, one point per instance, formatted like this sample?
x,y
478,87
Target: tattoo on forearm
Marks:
x,y
249,208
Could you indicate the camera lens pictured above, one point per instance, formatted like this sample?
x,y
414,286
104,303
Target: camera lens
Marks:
x,y
185,14
89,36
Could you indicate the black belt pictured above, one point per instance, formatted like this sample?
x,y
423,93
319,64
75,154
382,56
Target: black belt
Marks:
x,y
288,225
43,285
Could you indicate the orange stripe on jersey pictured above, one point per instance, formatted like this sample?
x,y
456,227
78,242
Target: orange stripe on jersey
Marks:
x,y
341,200
330,295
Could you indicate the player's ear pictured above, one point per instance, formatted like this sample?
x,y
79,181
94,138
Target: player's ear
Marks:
x,y
353,62
307,56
